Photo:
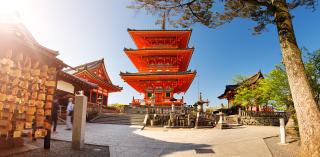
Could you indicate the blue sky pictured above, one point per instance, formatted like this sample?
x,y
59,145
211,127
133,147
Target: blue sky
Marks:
x,y
83,31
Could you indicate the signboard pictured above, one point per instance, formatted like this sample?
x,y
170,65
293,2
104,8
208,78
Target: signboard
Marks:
x,y
65,86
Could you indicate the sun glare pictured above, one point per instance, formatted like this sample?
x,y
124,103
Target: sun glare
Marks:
x,y
10,10
9,6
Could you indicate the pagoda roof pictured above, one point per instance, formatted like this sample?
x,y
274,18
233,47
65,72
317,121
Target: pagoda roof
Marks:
x,y
230,89
157,73
172,59
179,81
160,38
91,70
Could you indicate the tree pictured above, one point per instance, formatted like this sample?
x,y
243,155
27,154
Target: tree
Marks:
x,y
276,85
256,94
184,13
312,66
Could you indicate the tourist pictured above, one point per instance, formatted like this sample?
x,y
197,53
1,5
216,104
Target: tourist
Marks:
x,y
69,114
55,109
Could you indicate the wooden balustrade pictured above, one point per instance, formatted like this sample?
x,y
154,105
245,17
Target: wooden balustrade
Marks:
x,y
166,102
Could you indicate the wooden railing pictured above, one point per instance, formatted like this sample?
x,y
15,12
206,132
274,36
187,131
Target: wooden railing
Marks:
x,y
166,102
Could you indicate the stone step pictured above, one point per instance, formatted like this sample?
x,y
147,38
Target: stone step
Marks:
x,y
119,118
120,123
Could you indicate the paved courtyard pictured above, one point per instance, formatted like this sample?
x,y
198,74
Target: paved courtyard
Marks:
x,y
130,141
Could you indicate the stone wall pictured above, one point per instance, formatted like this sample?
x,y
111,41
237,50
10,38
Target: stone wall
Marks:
x,y
271,118
273,121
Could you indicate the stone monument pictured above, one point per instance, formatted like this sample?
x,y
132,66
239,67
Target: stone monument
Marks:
x,y
79,122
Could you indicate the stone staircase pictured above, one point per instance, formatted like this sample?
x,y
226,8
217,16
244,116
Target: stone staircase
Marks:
x,y
119,118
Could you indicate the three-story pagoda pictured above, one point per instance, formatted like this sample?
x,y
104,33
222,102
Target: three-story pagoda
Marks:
x,y
162,58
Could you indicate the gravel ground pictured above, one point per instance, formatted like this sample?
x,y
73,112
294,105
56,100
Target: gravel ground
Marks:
x,y
63,149
289,150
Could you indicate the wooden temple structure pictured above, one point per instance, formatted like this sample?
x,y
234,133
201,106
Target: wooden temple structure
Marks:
x,y
96,74
28,76
31,77
230,90
162,58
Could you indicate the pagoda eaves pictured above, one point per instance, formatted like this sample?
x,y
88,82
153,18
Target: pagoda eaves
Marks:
x,y
145,39
177,82
155,60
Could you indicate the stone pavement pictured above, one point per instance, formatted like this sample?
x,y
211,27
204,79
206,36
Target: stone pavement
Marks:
x,y
130,141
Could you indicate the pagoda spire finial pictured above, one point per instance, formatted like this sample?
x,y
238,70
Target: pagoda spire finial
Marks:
x,y
164,21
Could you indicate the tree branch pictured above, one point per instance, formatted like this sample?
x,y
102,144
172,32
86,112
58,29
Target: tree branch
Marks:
x,y
194,14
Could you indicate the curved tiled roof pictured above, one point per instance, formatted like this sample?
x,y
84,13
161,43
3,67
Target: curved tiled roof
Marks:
x,y
251,80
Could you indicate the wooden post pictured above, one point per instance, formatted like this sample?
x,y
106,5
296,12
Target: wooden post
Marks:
x,y
79,122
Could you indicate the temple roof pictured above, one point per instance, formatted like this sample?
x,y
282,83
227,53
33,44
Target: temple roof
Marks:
x,y
160,38
160,59
230,89
157,73
95,70
177,81
75,80
90,66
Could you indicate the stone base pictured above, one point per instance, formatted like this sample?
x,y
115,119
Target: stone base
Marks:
x,y
11,142
177,127
222,126
16,150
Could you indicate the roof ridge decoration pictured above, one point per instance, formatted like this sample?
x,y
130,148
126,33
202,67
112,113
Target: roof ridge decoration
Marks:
x,y
89,63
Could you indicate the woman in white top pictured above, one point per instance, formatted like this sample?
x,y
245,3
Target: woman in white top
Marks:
x,y
69,114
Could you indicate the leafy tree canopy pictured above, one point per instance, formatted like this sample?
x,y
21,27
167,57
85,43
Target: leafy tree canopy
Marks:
x,y
212,14
274,88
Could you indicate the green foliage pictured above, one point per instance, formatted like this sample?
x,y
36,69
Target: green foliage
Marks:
x,y
117,106
274,88
251,94
277,87
212,14
312,66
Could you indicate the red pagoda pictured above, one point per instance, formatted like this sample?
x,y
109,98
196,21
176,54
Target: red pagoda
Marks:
x,y
162,58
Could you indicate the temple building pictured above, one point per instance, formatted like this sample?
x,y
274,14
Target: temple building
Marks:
x,y
162,58
230,91
28,79
95,73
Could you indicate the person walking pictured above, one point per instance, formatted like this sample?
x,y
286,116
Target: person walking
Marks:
x,y
69,114
55,111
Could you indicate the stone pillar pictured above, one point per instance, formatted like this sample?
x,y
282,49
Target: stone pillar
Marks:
x,y
189,120
221,124
79,122
172,107
282,131
145,121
